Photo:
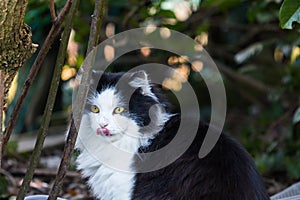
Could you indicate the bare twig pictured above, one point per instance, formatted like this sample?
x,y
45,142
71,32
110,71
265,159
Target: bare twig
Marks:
x,y
52,10
43,172
96,25
246,94
55,30
64,164
11,179
48,110
208,15
243,79
62,171
281,119
1,111
81,97
133,11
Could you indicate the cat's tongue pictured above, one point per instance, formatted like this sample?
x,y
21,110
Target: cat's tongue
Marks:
x,y
103,131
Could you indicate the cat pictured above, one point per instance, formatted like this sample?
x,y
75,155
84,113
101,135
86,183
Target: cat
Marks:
x,y
115,117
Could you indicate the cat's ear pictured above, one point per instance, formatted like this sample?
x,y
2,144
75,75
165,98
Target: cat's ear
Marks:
x,y
139,79
96,74
94,79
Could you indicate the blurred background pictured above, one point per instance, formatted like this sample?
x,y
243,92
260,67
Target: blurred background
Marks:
x,y
259,62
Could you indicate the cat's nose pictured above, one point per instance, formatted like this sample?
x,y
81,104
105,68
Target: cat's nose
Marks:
x,y
103,125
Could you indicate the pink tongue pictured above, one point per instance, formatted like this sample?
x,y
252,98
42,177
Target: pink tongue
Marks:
x,y
103,131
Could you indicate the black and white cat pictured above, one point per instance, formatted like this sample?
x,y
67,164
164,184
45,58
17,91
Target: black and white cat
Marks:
x,y
115,117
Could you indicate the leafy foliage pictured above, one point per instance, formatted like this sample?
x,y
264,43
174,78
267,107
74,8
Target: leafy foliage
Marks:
x,y
296,118
289,13
266,122
3,187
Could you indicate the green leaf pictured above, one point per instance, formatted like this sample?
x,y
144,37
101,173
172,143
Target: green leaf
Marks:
x,y
248,52
292,167
3,187
289,12
166,14
296,118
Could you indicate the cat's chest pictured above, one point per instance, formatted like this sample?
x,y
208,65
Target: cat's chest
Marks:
x,y
110,184
106,181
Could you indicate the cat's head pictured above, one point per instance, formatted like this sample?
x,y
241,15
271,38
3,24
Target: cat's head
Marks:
x,y
125,103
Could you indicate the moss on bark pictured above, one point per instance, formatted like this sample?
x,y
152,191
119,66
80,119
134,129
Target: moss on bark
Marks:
x,y
15,39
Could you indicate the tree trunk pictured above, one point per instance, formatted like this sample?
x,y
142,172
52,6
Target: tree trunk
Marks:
x,y
15,39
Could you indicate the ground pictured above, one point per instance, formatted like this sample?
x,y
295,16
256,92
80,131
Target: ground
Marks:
x,y
74,188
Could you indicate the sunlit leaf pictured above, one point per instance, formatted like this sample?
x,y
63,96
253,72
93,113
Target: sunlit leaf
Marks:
x,y
289,12
250,51
296,118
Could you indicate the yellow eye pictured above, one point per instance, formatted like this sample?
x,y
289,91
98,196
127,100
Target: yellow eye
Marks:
x,y
118,110
95,109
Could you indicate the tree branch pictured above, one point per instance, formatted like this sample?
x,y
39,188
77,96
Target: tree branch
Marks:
x,y
64,164
96,25
281,119
70,142
52,10
48,110
55,30
15,39
133,11
243,79
8,175
1,111
80,99
42,172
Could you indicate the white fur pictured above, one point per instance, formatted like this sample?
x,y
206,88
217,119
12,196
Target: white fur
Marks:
x,y
141,80
96,150
99,155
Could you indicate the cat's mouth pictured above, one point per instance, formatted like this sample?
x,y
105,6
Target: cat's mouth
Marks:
x,y
103,131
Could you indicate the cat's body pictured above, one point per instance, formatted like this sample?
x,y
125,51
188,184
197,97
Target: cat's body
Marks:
x,y
116,117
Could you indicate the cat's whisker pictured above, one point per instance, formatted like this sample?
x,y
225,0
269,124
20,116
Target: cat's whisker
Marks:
x,y
139,156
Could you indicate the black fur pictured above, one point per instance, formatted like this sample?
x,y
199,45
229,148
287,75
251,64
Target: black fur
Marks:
x,y
139,104
226,173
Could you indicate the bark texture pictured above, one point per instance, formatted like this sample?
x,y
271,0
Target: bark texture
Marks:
x,y
15,39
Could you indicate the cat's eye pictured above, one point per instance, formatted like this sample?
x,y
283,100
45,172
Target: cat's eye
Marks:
x,y
95,109
118,110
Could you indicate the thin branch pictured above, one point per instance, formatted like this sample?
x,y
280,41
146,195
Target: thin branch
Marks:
x,y
281,119
71,139
8,175
208,15
42,172
96,25
132,12
243,79
47,115
52,35
64,12
64,164
1,111
81,97
246,94
52,10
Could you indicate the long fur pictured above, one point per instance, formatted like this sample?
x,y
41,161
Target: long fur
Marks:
x,y
226,173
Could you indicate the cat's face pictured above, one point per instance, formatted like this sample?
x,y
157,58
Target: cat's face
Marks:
x,y
123,104
108,115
